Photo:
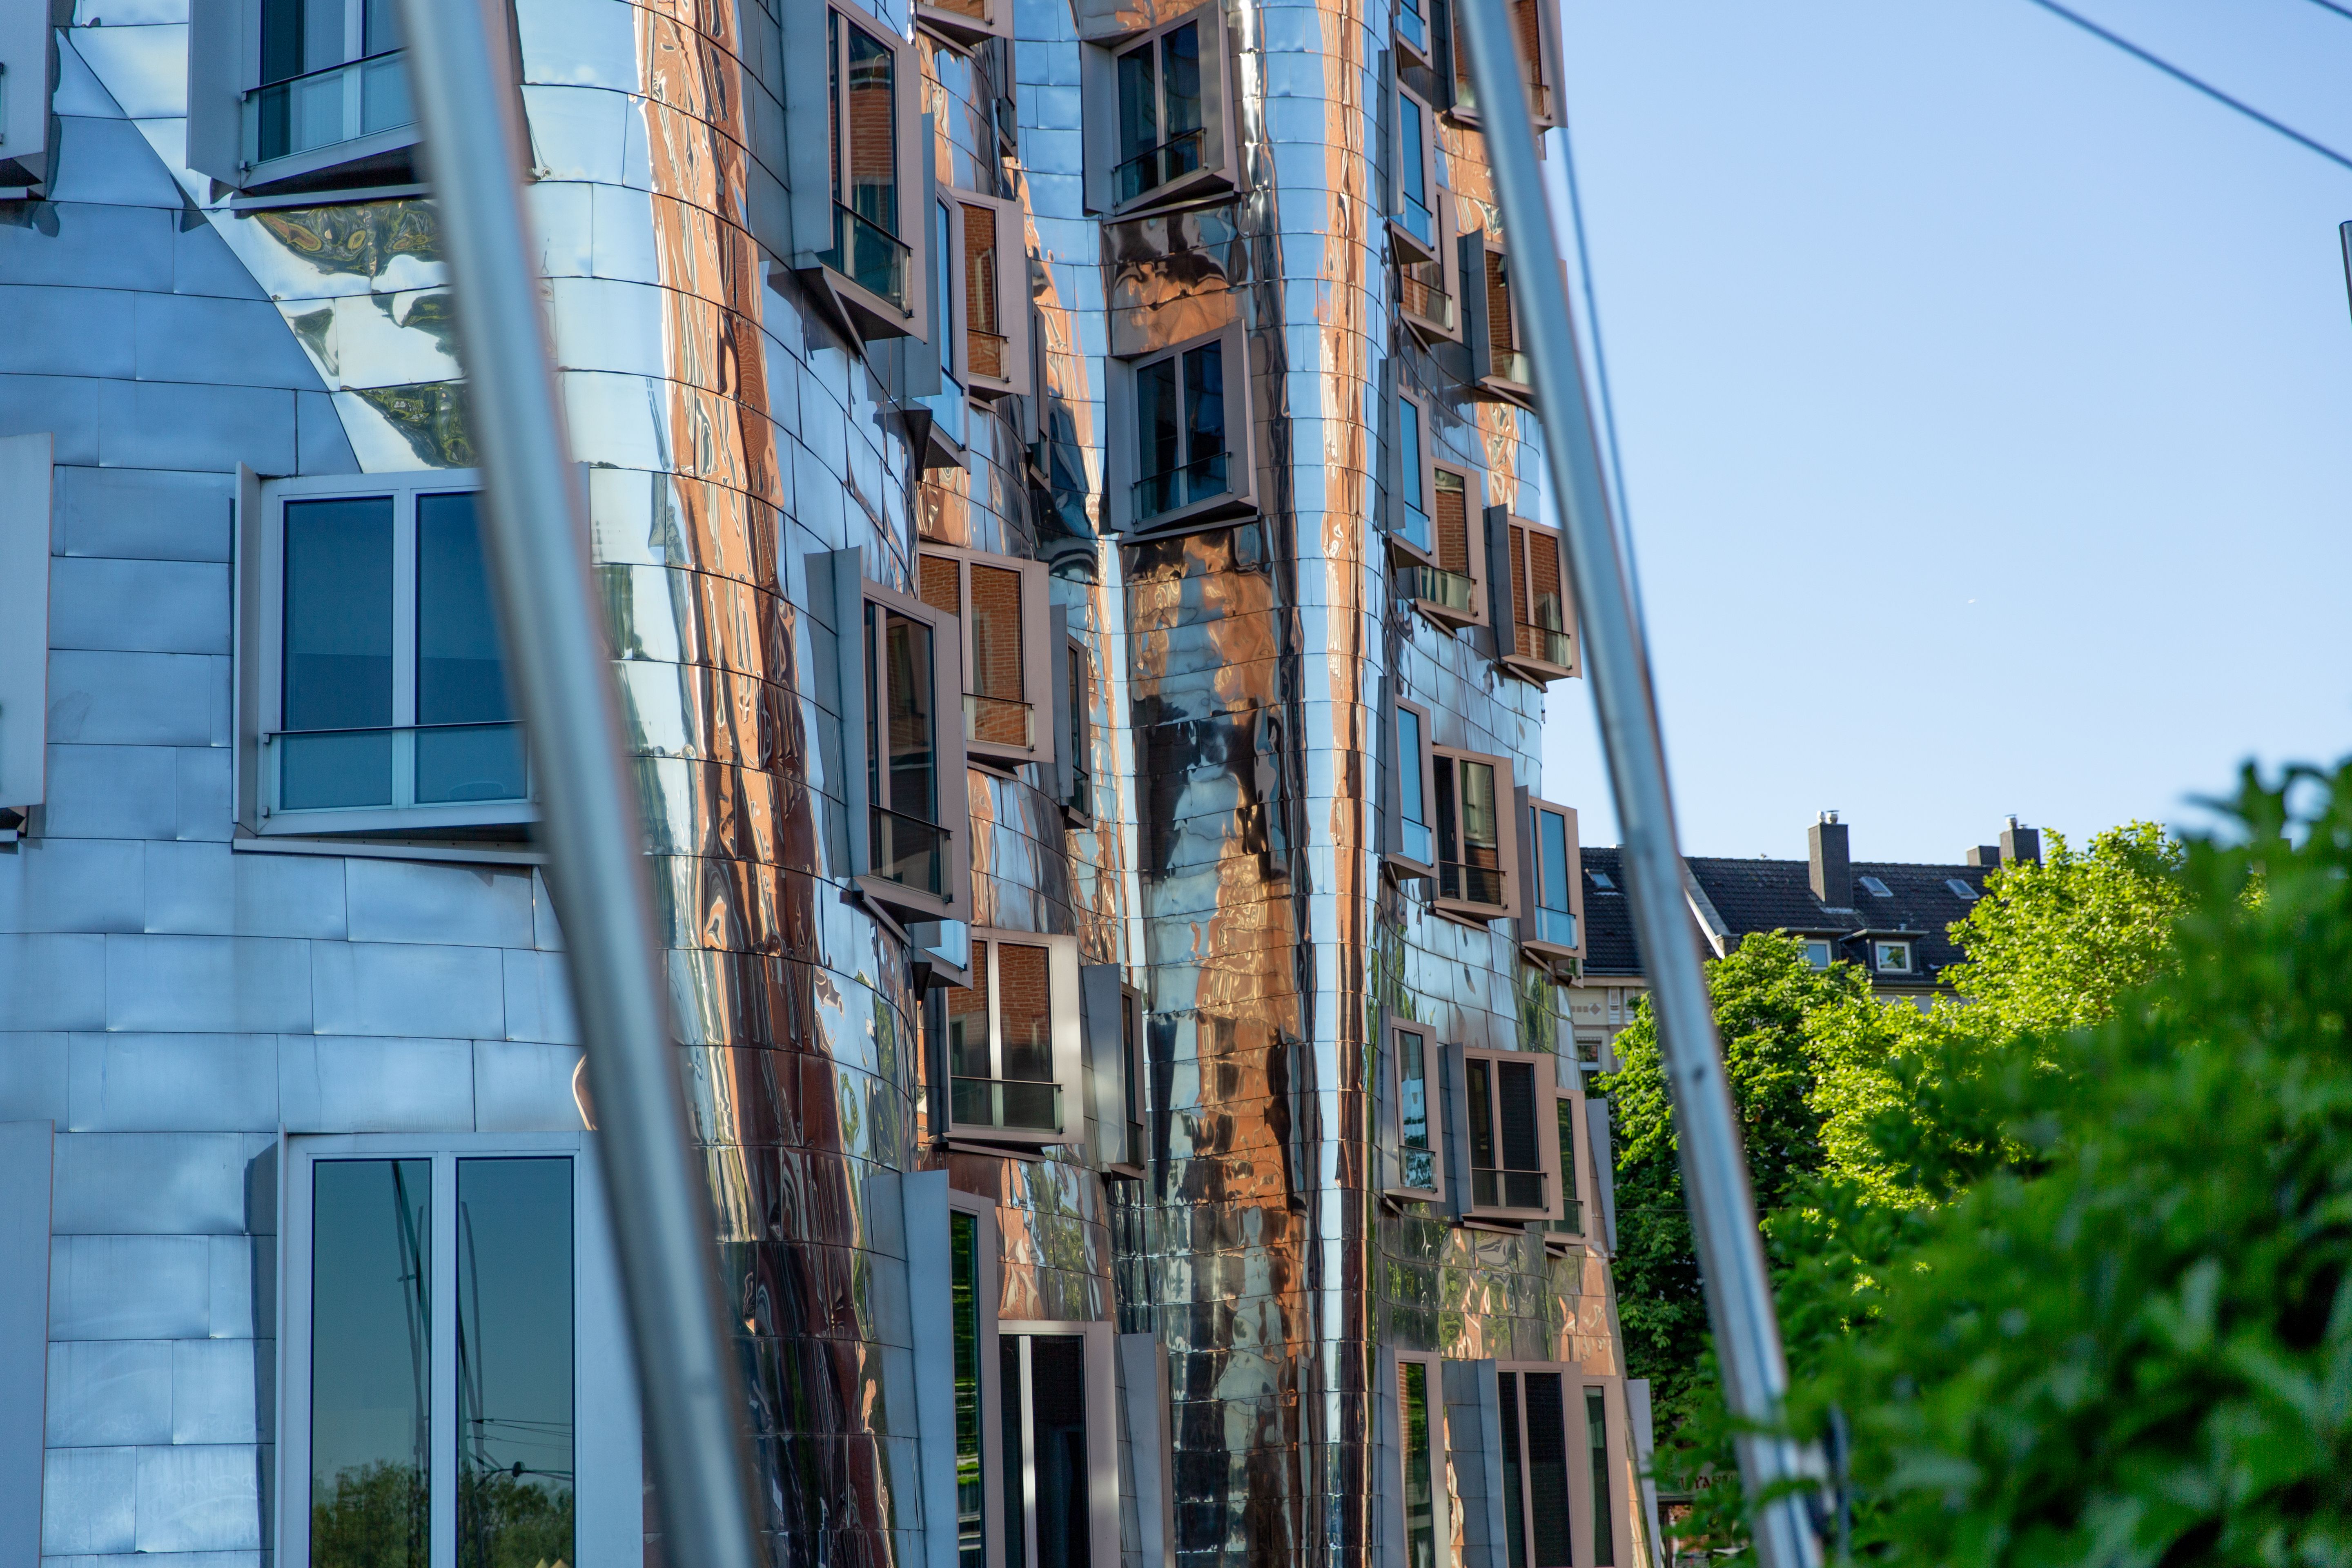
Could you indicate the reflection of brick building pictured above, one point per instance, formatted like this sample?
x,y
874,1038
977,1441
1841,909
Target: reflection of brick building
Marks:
x,y
1890,917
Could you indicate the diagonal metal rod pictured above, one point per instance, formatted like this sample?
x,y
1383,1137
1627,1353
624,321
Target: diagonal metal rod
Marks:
x,y
561,670
1714,1168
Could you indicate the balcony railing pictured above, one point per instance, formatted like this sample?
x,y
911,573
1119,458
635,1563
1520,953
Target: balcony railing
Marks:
x,y
1436,585
999,720
1082,791
1005,1105
1506,1189
1413,28
1471,884
868,256
1198,480
340,103
984,352
1546,643
1416,221
1413,527
1557,927
433,765
1155,166
909,851
1510,365
1571,1218
1416,838
1425,301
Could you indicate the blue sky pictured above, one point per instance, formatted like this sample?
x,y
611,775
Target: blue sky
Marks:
x,y
1986,407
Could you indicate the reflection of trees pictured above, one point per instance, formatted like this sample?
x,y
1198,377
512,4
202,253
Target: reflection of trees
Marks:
x,y
512,1522
374,1518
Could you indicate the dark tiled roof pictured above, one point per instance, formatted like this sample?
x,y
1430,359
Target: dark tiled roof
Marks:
x,y
1776,895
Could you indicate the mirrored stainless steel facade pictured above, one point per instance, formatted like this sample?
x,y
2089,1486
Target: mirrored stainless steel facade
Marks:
x,y
184,989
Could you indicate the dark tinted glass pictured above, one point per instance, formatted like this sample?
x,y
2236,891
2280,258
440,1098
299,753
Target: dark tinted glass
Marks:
x,y
1138,109
1204,402
1547,1470
1515,1095
1596,1428
912,718
1010,1401
1515,1513
1180,80
1159,436
1481,1116
514,1362
371,1363
460,677
963,1306
1420,1490
1057,1419
337,652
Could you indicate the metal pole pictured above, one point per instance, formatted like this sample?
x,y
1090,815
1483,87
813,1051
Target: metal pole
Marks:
x,y
561,668
1714,1168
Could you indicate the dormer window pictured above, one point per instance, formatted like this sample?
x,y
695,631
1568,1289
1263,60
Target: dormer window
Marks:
x,y
1891,957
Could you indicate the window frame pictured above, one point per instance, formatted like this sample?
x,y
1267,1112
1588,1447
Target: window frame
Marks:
x,y
1065,1017
987,1249
1477,911
1118,1104
1506,376
1512,544
1410,247
1103,1489
1099,84
607,1445
1424,582
962,31
258,649
1124,449
1445,324
1576,1386
1011,257
1423,50
1395,857
1037,651
1827,946
1573,1229
1433,1073
1073,689
1460,1135
1401,546
1542,84
1878,951
1554,953
1440,1515
817,125
852,592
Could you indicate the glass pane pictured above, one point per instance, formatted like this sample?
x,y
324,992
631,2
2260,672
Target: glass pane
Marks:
x,y
336,769
968,1021
873,131
379,24
460,674
1025,1012
338,614
1409,458
1420,1494
1568,1182
1453,524
1596,1429
1449,843
514,1362
1158,424
1179,81
1548,1470
1204,417
1481,1117
1138,109
470,761
997,653
1412,805
1012,1401
371,1363
1057,1419
938,583
1411,153
1131,1027
281,42
1514,1108
1481,835
1552,860
963,1248
1412,1091
1514,1512
323,35
911,716
938,285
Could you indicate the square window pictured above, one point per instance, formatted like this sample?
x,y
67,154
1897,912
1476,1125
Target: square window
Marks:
x,y
372,692
1157,129
1533,619
1892,957
1506,1150
1004,628
1817,951
1181,453
1548,869
1477,834
1009,1052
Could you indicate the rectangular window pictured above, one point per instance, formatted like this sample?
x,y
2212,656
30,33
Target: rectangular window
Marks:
x,y
1476,838
1412,838
1420,1429
1130,1021
863,221
1061,1446
989,340
1817,951
1596,1429
1427,284
448,1324
1185,455
1413,29
1004,630
25,478
1013,1041
1446,588
1568,1115
1415,151
380,697
1539,1484
1080,699
1550,872
1535,626
1498,362
331,78
1413,528
1415,1087
1162,131
964,1309
1511,1148
1535,38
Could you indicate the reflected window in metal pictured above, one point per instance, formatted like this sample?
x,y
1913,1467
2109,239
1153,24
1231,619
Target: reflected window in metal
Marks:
x,y
1162,133
1003,1078
1048,1477
514,1311
964,1305
383,689
371,1434
331,73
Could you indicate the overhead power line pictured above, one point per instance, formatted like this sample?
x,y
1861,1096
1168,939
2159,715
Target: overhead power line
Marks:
x,y
2208,89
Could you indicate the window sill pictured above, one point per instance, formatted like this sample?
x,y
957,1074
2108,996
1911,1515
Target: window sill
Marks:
x,y
444,851
1412,248
1502,389
1480,915
1186,189
1535,671
1191,518
367,159
1404,868
405,822
957,29
903,901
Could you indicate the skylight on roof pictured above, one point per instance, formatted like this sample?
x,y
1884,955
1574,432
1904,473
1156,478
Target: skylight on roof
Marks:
x,y
1962,890
1601,880
1874,887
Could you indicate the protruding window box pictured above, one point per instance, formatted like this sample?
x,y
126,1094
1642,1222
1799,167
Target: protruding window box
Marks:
x,y
1535,39
1533,614
1478,840
987,320
965,23
1413,216
1413,35
340,114
1568,1123
1551,931
1568,1486
1072,774
1409,817
1490,324
1158,128
1415,1115
1181,449
860,204
1010,1051
1505,1146
1448,585
1114,1026
1005,637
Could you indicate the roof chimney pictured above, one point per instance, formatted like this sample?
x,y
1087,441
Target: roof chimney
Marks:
x,y
1984,855
2020,844
1833,872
